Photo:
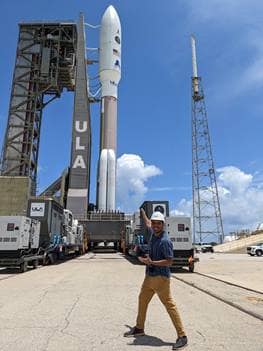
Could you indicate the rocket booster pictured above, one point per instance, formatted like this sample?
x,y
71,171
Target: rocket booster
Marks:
x,y
110,75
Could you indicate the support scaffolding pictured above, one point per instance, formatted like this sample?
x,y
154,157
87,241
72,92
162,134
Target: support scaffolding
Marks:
x,y
44,66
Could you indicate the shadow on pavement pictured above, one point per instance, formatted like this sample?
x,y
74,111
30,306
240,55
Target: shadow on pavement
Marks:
x,y
179,270
133,260
16,270
148,340
10,270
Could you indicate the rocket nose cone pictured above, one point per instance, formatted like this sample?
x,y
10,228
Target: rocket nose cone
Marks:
x,y
110,15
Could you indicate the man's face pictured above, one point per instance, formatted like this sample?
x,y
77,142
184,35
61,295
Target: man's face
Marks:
x,y
157,226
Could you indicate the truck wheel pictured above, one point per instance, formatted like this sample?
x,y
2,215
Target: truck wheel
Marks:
x,y
191,268
35,264
259,253
23,267
51,258
45,259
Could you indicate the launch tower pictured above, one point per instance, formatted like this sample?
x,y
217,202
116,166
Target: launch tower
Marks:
x,y
50,58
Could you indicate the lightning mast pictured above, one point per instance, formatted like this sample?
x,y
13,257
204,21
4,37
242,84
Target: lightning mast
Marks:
x,y
207,219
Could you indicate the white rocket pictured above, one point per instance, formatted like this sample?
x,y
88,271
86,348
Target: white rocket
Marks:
x,y
110,75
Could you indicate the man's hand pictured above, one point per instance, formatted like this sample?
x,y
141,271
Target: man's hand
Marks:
x,y
145,260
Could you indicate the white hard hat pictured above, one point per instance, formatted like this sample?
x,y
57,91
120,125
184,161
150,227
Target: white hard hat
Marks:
x,y
157,216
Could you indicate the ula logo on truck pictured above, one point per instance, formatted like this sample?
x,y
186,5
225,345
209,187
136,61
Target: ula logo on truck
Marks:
x,y
37,209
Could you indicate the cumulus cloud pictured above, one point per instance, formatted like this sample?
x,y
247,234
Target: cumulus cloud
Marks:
x,y
241,200
242,204
163,188
240,193
132,176
184,208
234,180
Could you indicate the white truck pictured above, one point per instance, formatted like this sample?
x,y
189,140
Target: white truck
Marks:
x,y
19,242
50,235
59,236
180,233
255,250
72,234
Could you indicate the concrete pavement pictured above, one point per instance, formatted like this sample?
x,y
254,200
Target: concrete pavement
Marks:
x,y
89,302
240,269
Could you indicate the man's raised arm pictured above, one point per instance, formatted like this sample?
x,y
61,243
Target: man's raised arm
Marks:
x,y
146,220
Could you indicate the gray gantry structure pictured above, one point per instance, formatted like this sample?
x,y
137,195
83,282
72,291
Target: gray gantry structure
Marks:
x,y
207,219
50,58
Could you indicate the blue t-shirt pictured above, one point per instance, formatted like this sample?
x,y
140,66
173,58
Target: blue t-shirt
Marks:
x,y
160,248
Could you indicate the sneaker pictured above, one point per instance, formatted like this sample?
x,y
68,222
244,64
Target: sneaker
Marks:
x,y
134,332
180,343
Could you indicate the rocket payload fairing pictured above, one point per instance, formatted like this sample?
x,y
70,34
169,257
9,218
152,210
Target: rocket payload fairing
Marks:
x,y
110,75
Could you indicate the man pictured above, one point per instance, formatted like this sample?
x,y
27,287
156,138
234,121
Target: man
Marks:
x,y
157,279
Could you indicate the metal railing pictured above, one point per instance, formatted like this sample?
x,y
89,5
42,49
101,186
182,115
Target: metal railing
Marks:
x,y
102,216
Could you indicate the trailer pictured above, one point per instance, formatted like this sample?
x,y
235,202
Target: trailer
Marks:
x,y
179,231
61,235
48,233
19,242
105,229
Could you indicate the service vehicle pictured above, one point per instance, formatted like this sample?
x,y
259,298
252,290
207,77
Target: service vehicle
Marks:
x,y
19,242
255,250
179,231
47,234
206,248
60,234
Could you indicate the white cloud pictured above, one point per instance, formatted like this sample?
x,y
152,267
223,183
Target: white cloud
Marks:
x,y
184,208
240,193
241,200
234,180
175,213
132,175
163,188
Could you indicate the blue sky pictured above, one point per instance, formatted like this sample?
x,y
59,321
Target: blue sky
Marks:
x,y
154,116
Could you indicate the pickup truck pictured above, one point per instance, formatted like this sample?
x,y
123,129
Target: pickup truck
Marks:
x,y
206,248
255,250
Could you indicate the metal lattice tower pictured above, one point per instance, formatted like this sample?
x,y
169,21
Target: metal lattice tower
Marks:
x,y
207,219
45,65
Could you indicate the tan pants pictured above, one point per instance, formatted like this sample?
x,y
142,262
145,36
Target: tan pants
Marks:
x,y
161,286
